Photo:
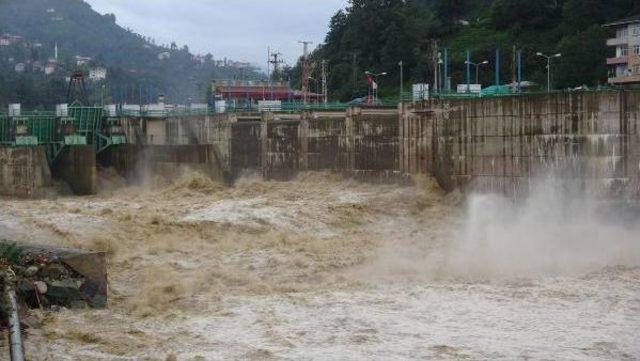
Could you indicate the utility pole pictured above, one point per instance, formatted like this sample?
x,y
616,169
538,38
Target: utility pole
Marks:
x,y
325,93
276,61
513,65
355,73
306,69
468,62
519,70
447,86
401,64
434,59
497,66
273,69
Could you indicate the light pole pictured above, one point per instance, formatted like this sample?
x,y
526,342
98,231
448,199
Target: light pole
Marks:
x,y
374,86
549,67
401,64
477,65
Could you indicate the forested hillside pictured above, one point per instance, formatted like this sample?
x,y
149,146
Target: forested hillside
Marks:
x,y
135,71
375,35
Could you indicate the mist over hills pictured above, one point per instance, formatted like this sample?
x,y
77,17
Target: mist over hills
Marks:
x,y
138,69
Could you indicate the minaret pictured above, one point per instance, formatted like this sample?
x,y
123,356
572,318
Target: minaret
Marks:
x,y
55,51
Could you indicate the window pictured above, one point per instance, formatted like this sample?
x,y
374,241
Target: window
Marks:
x,y
624,51
623,33
636,68
636,49
636,30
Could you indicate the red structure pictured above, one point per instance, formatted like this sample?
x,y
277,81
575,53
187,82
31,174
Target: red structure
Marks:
x,y
255,90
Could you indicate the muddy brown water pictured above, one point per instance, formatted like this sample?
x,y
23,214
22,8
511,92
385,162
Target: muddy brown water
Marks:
x,y
327,268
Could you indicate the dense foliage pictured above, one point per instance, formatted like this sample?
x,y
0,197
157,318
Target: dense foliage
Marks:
x,y
135,73
375,35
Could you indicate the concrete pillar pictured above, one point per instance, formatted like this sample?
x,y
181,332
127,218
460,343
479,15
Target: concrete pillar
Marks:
x,y
264,139
303,135
76,165
350,119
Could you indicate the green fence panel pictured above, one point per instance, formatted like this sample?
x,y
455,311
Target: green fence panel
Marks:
x,y
41,125
87,119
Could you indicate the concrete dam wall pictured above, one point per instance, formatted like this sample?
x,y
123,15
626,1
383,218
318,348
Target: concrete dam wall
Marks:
x,y
501,144
588,140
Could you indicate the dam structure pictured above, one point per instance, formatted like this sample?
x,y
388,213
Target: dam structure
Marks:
x,y
488,144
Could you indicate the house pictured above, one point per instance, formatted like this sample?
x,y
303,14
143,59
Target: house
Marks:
x,y
19,68
8,39
82,60
97,73
37,66
50,68
164,55
624,67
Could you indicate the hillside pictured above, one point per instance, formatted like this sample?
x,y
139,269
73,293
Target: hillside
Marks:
x,y
137,72
377,34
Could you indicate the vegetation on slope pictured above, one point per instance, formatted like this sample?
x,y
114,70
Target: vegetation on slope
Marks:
x,y
375,35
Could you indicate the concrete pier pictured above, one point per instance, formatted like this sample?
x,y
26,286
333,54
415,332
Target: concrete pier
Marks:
x,y
77,167
24,171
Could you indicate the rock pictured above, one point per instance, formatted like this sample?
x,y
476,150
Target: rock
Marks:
x,y
27,292
78,305
24,287
91,290
54,271
41,287
98,301
31,271
63,292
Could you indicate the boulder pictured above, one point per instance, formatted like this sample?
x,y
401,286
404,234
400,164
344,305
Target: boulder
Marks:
x,y
63,292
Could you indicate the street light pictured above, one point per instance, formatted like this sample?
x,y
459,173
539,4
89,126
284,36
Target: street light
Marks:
x,y
477,65
375,80
549,67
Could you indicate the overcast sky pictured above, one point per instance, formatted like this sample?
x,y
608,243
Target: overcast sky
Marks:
x,y
237,29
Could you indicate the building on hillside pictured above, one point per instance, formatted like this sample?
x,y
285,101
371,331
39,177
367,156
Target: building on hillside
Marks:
x,y
37,66
19,68
624,68
82,60
164,55
8,39
50,67
252,91
97,73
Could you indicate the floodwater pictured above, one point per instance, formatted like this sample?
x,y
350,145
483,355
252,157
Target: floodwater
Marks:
x,y
325,268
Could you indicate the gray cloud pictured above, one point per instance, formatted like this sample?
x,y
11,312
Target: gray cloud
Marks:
x,y
238,29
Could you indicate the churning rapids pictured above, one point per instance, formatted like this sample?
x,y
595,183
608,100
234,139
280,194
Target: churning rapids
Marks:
x,y
323,268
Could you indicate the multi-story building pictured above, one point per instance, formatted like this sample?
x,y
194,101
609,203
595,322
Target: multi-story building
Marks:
x,y
97,73
624,68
